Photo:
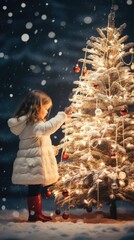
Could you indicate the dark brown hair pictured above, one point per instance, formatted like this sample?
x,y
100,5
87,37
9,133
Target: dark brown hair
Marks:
x,y
31,105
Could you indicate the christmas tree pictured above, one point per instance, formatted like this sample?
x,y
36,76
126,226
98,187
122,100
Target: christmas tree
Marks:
x,y
97,164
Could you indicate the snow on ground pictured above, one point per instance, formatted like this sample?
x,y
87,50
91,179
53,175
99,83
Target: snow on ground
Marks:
x,y
79,226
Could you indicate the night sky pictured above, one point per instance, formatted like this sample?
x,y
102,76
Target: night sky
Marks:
x,y
40,42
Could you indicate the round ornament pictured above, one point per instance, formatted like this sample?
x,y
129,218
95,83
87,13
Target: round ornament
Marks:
x,y
110,107
48,193
113,155
112,196
58,211
114,185
89,209
65,156
122,183
132,184
95,85
98,112
76,68
85,71
123,111
122,175
65,193
65,215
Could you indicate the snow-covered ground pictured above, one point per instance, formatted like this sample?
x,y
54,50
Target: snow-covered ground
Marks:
x,y
79,226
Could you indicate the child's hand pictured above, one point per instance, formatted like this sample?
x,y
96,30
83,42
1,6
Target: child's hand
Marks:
x,y
56,150
69,110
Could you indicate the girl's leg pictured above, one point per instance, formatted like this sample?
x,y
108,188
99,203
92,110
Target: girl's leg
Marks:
x,y
34,190
35,204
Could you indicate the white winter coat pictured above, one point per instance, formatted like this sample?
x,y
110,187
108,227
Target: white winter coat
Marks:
x,y
35,162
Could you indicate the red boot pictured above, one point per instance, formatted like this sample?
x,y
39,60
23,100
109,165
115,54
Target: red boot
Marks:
x,y
35,208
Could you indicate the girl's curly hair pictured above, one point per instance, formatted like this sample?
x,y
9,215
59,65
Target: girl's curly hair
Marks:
x,y
31,105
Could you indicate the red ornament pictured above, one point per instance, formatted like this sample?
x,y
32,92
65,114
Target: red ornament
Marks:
x,y
76,68
95,85
123,111
65,156
48,193
113,155
65,215
65,193
58,211
85,71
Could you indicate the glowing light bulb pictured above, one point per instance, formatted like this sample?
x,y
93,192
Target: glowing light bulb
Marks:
x,y
98,112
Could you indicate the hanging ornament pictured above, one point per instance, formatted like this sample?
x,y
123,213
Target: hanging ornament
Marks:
x,y
112,196
110,107
100,205
48,193
123,111
65,156
95,85
65,215
122,183
58,211
132,184
113,155
98,112
122,175
89,209
76,68
65,192
114,185
85,71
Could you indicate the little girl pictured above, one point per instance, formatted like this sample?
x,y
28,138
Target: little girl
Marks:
x,y
35,164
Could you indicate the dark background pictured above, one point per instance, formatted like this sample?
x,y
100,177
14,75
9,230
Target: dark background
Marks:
x,y
24,65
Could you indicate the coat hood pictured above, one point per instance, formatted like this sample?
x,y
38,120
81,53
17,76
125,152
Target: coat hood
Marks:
x,y
17,125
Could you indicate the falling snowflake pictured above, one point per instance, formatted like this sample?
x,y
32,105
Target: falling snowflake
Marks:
x,y
36,14
35,68
11,95
15,214
44,63
6,57
9,21
51,34
36,31
48,68
23,5
29,25
4,199
1,55
63,23
87,20
4,7
3,207
60,53
10,14
25,37
129,2
44,17
43,82
115,7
